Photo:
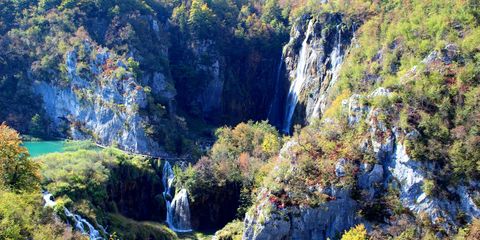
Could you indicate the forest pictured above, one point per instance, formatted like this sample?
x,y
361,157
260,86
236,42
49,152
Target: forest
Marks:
x,y
240,119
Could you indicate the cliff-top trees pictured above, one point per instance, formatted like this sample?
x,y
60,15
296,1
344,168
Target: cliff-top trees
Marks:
x,y
202,20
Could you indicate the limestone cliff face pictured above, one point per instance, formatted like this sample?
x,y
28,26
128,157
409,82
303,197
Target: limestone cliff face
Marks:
x,y
410,175
212,64
396,168
103,104
324,222
393,168
223,84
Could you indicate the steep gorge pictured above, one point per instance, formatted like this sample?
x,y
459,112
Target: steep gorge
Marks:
x,y
389,119
140,82
380,164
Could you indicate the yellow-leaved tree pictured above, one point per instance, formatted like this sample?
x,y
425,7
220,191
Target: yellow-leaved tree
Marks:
x,y
17,171
356,233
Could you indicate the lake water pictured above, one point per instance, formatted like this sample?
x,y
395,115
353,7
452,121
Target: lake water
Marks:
x,y
44,147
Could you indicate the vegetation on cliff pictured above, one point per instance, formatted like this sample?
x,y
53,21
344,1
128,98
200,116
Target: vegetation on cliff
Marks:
x,y
412,73
222,184
412,70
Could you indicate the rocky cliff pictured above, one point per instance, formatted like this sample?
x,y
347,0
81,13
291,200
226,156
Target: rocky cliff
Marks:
x,y
137,76
313,58
102,102
324,222
372,115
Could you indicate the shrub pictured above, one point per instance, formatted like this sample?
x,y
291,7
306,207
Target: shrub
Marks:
x,y
80,175
356,233
428,187
139,230
232,231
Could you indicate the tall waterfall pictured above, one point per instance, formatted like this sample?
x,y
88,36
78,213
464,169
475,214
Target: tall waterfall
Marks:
x,y
335,60
274,113
300,78
178,209
80,224
315,67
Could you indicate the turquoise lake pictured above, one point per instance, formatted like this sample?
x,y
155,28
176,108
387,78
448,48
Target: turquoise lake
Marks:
x,y
44,147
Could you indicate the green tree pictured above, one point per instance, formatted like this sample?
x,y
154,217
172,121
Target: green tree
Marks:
x,y
180,17
202,20
48,4
36,125
17,171
271,11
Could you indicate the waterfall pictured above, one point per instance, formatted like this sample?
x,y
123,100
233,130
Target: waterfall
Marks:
x,y
178,209
274,114
180,212
336,60
79,222
47,197
300,77
167,179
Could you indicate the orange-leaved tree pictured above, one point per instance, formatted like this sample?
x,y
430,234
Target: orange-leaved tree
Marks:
x,y
17,171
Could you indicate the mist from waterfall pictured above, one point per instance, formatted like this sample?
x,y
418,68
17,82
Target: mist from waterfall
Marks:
x,y
80,224
180,212
300,78
178,209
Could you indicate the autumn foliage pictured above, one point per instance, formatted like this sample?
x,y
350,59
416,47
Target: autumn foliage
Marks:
x,y
17,171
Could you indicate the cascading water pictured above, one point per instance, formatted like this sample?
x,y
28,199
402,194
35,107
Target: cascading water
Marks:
x,y
336,60
314,67
178,209
79,222
298,82
180,212
274,113
47,197
167,179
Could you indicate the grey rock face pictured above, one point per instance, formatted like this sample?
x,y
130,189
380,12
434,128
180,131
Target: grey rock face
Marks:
x,y
340,168
161,85
393,167
369,179
410,174
210,97
324,222
396,166
105,108
355,109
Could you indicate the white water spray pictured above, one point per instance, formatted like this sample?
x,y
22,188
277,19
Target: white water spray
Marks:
x,y
178,209
300,78
79,222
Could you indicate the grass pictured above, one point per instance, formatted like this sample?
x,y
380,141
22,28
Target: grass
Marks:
x,y
195,236
127,228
